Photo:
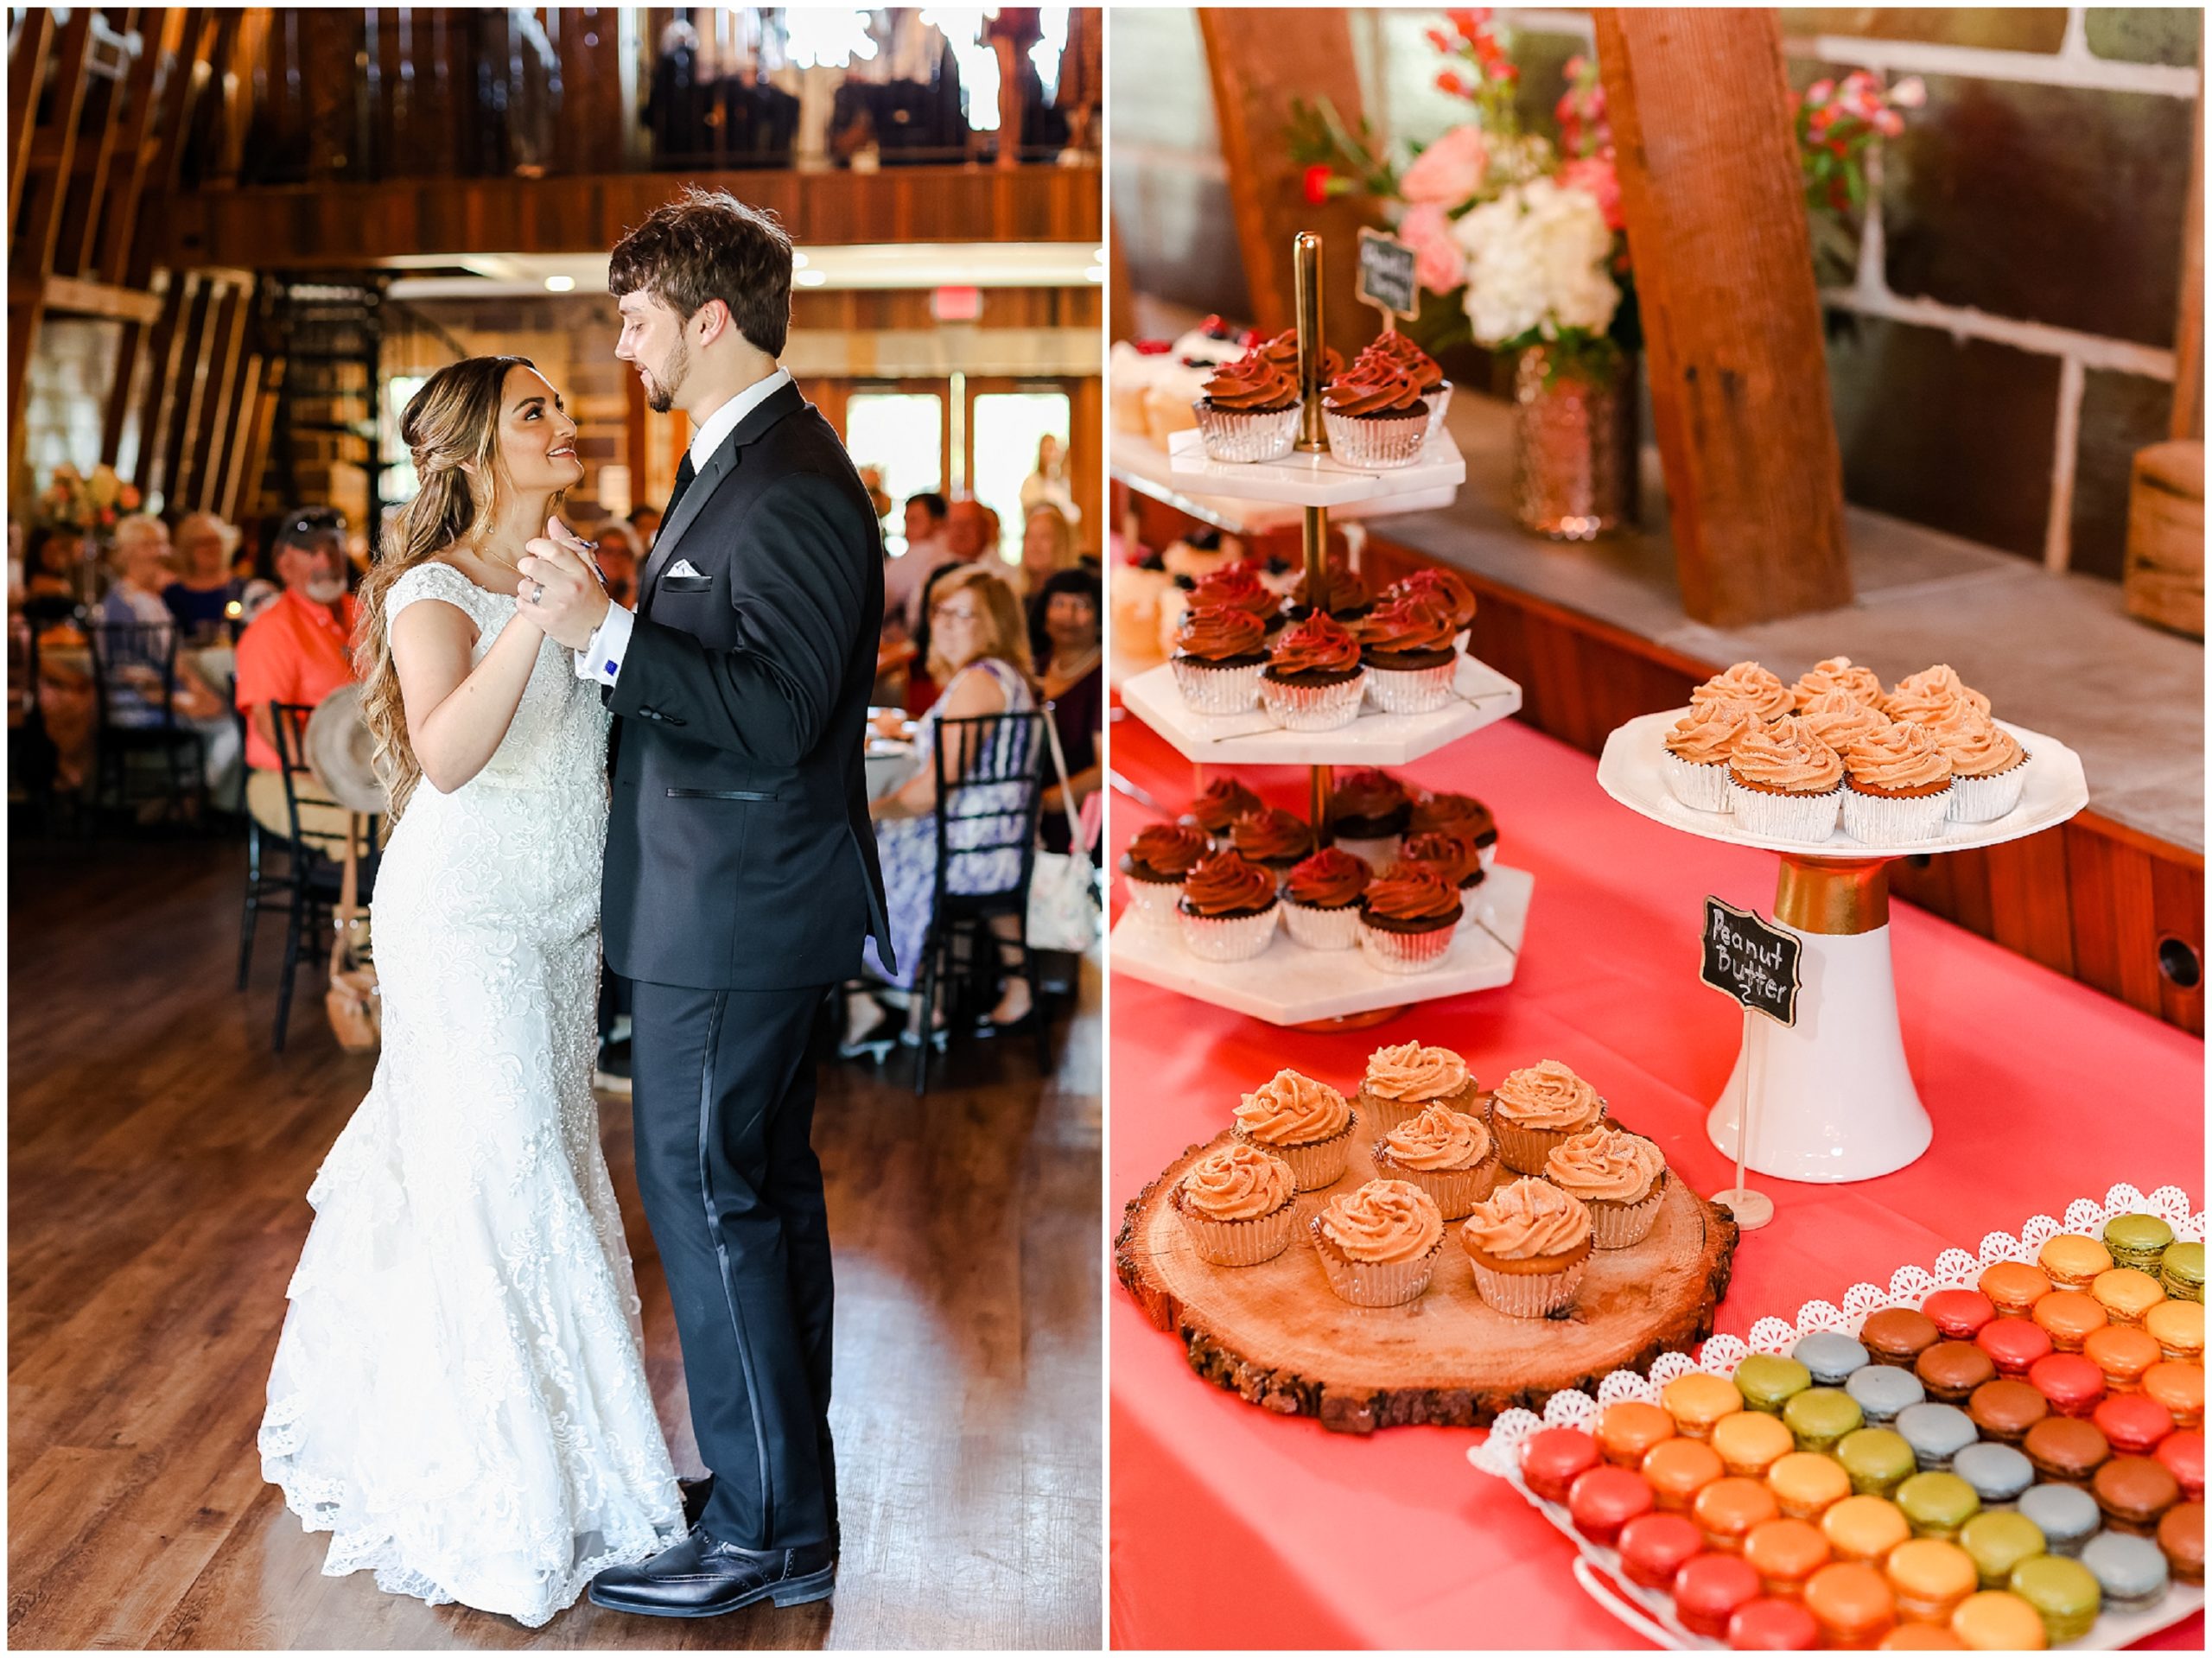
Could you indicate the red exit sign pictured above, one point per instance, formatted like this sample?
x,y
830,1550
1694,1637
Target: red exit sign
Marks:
x,y
956,304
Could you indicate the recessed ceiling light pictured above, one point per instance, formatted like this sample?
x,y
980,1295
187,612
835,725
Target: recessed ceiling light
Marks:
x,y
798,260
812,278
1096,273
560,284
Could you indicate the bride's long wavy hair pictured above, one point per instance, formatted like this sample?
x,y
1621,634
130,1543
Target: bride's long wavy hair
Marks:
x,y
451,428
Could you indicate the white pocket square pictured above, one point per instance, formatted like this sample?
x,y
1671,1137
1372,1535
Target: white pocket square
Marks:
x,y
682,567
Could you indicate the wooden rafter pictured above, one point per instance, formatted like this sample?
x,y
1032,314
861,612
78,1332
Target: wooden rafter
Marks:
x,y
26,75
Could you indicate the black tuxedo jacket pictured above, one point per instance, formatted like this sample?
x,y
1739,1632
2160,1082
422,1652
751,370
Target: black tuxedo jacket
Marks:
x,y
739,851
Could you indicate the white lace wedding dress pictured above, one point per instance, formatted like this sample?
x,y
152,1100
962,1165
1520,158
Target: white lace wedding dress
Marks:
x,y
459,1395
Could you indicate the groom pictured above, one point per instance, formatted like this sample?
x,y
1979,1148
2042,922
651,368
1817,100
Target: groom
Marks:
x,y
740,876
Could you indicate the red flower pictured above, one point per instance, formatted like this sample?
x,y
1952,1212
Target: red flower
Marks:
x,y
1440,41
1449,83
1470,21
1317,184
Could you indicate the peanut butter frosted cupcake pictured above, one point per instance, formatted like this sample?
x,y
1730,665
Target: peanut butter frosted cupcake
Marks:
x,y
1785,783
1988,767
1379,1243
1838,674
1693,754
1530,1245
1747,682
1621,1177
1238,1205
1839,719
1931,693
1403,1081
1305,1123
1538,1108
1448,1154
1897,786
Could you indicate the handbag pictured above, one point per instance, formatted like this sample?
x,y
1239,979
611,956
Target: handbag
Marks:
x,y
1064,903
355,1011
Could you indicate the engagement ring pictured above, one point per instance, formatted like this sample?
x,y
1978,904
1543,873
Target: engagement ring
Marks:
x,y
538,597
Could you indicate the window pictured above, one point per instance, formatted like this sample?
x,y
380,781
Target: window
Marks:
x,y
399,482
1006,427
903,433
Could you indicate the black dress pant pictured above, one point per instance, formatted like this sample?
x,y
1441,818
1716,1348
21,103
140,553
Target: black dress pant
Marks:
x,y
722,1092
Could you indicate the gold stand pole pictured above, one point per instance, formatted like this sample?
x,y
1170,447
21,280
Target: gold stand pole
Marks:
x,y
1307,287
1833,895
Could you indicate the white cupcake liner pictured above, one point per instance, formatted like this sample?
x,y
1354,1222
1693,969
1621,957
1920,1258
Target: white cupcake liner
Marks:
x,y
1240,1243
1377,851
1412,690
1153,902
1376,444
1313,1165
1618,1225
1983,800
1701,787
1455,1191
1319,928
1784,817
1528,1295
1373,1283
1228,938
1526,1149
1884,820
1213,690
1438,401
1246,435
1405,952
1313,708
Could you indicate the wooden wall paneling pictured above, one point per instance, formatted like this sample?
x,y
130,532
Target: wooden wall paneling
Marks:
x,y
27,62
589,135
162,345
179,380
47,157
1086,462
1714,206
329,39
2178,914
109,114
248,495
235,436
218,416
106,254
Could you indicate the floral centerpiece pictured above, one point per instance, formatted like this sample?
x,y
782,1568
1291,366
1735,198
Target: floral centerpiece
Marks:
x,y
92,506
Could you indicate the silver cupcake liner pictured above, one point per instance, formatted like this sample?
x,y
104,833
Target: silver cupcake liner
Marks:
x,y
1243,435
1318,929
1412,690
1377,851
1620,1226
1810,818
1382,1114
1217,691
1525,1149
1529,1295
1983,800
1438,401
1240,1243
1405,952
1701,787
1318,1163
1376,444
1456,1191
1883,820
1373,1283
1228,938
1153,902
1313,708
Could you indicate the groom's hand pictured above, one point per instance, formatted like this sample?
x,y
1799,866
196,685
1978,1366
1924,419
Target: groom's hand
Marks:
x,y
560,590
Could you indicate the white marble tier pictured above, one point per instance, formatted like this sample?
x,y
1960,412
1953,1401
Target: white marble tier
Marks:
x,y
1321,479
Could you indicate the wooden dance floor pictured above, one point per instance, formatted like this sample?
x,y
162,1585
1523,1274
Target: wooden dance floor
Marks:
x,y
158,1156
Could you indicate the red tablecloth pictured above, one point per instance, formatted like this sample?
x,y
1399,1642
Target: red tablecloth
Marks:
x,y
1233,1527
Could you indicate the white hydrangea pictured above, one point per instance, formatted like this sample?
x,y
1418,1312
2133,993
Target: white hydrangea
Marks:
x,y
1536,259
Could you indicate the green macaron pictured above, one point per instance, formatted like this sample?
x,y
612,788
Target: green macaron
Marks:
x,y
2138,1240
2063,1592
1878,1459
1936,1505
2182,1272
1768,1382
1998,1542
1818,1417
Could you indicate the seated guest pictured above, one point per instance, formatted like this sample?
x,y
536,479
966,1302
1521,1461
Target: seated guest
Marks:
x,y
617,553
969,535
645,522
926,551
134,685
201,596
298,648
980,654
53,555
1073,680
1048,545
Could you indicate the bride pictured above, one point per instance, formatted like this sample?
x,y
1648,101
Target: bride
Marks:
x,y
459,1396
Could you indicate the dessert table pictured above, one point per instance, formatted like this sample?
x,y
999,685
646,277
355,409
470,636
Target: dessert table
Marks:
x,y
1232,1527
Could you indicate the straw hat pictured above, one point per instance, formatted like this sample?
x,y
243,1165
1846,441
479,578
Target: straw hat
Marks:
x,y
343,753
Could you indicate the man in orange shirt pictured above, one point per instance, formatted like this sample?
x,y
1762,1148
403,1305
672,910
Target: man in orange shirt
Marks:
x,y
298,648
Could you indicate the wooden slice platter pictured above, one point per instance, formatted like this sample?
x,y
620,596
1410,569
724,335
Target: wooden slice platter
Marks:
x,y
1279,1336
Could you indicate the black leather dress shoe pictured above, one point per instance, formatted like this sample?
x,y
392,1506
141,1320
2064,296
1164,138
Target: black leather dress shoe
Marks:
x,y
696,1493
701,1578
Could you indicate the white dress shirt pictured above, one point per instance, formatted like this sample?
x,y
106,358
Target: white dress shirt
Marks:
x,y
602,658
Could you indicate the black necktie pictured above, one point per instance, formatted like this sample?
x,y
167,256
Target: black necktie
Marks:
x,y
685,472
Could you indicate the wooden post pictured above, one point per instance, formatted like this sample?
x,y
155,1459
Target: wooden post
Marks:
x,y
2188,333
1711,191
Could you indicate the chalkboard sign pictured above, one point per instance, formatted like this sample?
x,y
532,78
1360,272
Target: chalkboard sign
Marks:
x,y
1752,961
1386,274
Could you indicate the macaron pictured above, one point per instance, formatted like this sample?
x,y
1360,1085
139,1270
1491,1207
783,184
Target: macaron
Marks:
x,y
1697,1400
1936,1434
1553,1458
2073,1385
2138,1240
2014,1287
1768,1382
2071,1262
1898,1335
1864,1529
1784,1552
1920,1637
1883,1391
2179,1387
2133,1422
1998,1473
2133,1493
1605,1498
2130,1572
1805,1483
1959,1313
2007,1408
2063,1592
1877,1460
1709,1588
1751,1442
2183,1453
1998,1543
1678,1468
1727,1510
1654,1547
1771,1625
2182,1272
2067,1516
2126,1294
1929,1577
2178,1328
1950,1370
1818,1417
2181,1536
2067,1449
2070,1316
1852,1603
2014,1343
2123,1352
1629,1428
1997,1620
1936,1505
1829,1356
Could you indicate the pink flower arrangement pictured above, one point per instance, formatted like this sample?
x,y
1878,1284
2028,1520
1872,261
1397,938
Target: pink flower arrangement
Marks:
x,y
1438,265
1450,171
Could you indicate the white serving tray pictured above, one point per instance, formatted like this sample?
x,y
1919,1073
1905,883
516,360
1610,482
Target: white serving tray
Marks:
x,y
1300,480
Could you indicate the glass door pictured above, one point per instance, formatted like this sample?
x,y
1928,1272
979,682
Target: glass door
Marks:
x,y
899,429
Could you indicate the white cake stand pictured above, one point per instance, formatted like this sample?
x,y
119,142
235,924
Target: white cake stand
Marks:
x,y
1838,1102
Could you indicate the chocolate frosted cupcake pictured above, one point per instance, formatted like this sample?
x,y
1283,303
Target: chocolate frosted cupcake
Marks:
x,y
1349,597
1448,1154
1785,783
1407,918
1304,1123
1838,674
1223,802
1220,650
1313,680
1157,860
1897,786
1379,1243
1282,351
1241,586
1228,909
1374,416
1621,1177
1458,815
1403,1081
1440,586
1538,1108
1249,411
1839,719
1321,900
1931,693
1272,838
1693,754
1369,810
1989,768
1530,1245
1399,351
1452,856
1238,1205
1746,681
1411,658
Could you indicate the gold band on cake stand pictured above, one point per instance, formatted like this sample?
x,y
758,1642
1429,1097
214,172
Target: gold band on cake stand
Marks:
x,y
1833,895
